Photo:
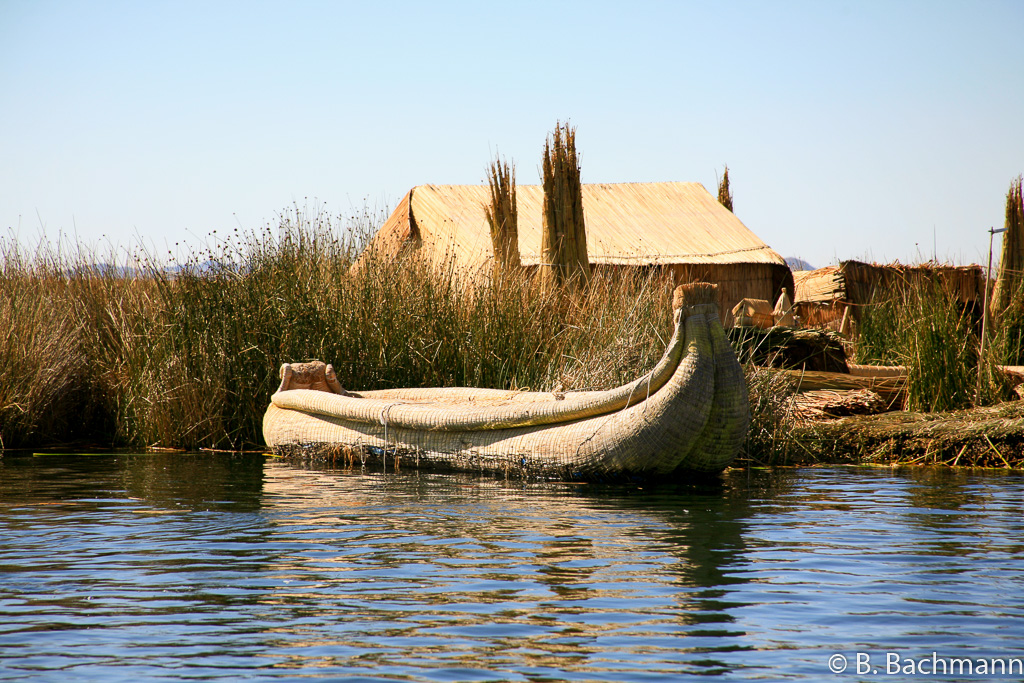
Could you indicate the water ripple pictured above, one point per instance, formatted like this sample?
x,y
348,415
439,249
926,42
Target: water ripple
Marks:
x,y
161,567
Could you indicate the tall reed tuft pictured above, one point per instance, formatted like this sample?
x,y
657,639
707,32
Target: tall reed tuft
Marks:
x,y
1011,264
42,358
564,236
724,193
770,440
1009,334
503,219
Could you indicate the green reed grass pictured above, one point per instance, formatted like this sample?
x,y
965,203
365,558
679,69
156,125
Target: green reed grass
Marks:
x,y
770,439
1007,338
189,357
927,329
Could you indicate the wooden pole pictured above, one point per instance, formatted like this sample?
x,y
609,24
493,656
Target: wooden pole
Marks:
x,y
984,304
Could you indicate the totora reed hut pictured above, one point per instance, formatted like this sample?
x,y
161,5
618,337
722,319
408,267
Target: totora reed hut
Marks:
x,y
835,296
677,227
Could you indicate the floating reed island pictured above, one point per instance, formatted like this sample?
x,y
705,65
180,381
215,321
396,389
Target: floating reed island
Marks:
x,y
991,436
144,355
904,364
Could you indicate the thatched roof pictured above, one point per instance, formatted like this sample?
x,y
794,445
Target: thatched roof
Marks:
x,y
856,282
818,286
627,224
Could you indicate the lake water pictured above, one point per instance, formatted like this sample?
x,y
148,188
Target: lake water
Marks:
x,y
217,567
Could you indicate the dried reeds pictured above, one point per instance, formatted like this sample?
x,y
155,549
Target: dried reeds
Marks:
x,y
724,193
503,219
1011,264
986,437
187,357
563,256
42,358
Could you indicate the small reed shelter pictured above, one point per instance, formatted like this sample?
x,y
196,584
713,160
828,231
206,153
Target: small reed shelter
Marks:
x,y
835,296
678,227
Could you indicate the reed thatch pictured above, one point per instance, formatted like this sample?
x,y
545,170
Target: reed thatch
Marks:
x,y
834,297
563,251
503,218
673,226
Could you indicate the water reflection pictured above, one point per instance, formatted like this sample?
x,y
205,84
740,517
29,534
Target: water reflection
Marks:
x,y
564,574
122,567
173,481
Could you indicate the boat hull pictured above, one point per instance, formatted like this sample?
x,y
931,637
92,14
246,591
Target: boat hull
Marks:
x,y
689,414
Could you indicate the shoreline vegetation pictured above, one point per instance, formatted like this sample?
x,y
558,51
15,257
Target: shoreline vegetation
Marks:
x,y
146,356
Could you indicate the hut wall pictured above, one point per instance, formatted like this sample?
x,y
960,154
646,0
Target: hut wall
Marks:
x,y
826,315
737,281
861,281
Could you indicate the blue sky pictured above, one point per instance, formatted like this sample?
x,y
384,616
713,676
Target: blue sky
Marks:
x,y
882,130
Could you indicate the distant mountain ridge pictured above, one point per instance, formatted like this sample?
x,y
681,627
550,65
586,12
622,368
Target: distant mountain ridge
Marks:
x,y
797,263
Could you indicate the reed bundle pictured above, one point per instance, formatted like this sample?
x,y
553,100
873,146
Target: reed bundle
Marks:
x,y
503,219
1011,264
724,193
1007,303
786,347
821,404
564,235
988,437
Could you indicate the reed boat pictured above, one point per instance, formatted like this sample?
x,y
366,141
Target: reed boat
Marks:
x,y
690,413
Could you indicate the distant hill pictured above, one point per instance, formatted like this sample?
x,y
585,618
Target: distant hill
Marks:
x,y
201,268
796,263
102,270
